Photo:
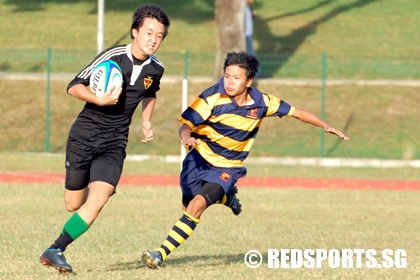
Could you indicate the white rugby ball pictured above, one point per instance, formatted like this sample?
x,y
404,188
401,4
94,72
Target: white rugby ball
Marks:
x,y
105,75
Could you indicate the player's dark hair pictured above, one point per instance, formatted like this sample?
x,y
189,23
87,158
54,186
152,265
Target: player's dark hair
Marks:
x,y
243,60
149,11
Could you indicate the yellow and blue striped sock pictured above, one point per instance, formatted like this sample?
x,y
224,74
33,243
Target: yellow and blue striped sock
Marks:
x,y
182,229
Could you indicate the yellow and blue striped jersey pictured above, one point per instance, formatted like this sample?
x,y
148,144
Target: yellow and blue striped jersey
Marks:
x,y
227,131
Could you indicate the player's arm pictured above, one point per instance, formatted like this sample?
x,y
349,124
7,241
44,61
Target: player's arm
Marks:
x,y
310,118
186,139
80,91
148,105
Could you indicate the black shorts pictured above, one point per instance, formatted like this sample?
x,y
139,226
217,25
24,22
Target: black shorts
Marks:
x,y
86,164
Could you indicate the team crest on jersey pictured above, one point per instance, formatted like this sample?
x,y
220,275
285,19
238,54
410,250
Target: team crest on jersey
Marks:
x,y
252,113
147,82
225,176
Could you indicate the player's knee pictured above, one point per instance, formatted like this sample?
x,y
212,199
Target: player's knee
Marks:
x,y
197,206
199,201
73,200
186,199
71,206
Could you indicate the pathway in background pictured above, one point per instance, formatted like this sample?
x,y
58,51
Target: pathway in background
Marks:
x,y
169,78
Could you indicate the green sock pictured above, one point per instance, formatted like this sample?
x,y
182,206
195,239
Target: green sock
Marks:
x,y
76,226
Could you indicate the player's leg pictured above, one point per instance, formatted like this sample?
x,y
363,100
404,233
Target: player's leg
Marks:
x,y
198,195
75,194
76,188
195,202
227,178
77,225
229,199
105,173
104,176
179,233
78,162
191,185
209,194
99,194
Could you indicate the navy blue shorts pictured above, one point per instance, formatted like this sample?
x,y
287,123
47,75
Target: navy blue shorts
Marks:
x,y
85,164
196,171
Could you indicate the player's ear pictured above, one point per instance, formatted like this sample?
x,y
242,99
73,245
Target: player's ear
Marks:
x,y
249,82
134,32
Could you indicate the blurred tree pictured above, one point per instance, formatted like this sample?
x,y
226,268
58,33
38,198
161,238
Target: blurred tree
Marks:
x,y
230,16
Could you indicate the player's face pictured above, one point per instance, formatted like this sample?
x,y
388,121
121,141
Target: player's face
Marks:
x,y
148,38
236,81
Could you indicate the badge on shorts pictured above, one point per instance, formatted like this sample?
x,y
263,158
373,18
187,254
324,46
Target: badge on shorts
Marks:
x,y
147,82
225,176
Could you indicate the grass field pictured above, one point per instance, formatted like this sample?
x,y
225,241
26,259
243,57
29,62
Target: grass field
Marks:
x,y
382,122
362,38
358,26
33,215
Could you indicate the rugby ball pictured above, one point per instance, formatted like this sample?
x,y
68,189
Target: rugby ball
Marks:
x,y
105,75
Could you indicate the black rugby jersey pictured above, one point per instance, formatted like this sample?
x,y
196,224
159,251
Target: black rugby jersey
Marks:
x,y
103,125
226,130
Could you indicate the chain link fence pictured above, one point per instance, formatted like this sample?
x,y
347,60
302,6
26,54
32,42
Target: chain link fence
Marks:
x,y
273,65
380,114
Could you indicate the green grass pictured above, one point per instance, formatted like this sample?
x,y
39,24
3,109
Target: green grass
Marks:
x,y
33,215
372,27
362,38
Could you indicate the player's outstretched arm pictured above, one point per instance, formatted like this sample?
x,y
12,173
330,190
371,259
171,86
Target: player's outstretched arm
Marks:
x,y
310,118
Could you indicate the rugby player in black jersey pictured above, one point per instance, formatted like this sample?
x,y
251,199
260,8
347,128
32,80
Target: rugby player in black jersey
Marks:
x,y
96,145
